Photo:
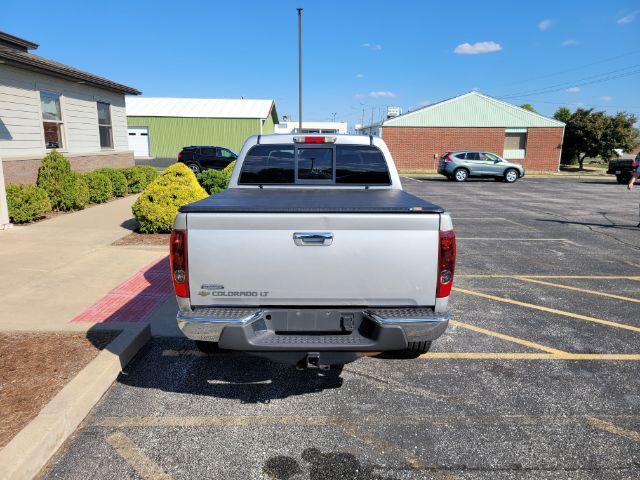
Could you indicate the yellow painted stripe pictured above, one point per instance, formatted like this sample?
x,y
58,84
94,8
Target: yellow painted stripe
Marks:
x,y
549,310
508,338
531,356
594,277
577,289
489,356
611,428
136,458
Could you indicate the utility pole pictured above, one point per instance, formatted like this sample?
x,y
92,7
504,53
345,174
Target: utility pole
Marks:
x,y
334,116
299,69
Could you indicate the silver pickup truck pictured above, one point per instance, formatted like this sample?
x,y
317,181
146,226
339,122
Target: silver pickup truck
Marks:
x,y
314,255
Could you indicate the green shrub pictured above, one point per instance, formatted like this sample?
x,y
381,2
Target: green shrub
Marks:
x,y
27,203
158,205
229,168
57,179
150,172
100,187
214,181
80,191
118,181
136,179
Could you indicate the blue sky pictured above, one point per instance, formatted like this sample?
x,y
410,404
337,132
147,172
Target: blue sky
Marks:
x,y
364,54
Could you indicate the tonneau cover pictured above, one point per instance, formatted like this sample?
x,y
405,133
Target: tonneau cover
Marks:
x,y
311,200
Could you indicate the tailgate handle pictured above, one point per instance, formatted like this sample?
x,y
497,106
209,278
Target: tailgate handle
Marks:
x,y
313,238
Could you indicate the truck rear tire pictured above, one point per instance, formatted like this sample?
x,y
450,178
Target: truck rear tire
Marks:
x,y
413,350
209,348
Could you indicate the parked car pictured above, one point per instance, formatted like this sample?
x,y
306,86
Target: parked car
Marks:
x,y
623,168
461,165
199,158
313,255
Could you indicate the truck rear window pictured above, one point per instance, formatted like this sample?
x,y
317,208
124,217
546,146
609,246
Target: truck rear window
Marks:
x,y
276,165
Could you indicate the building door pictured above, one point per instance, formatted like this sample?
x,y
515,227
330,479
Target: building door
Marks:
x,y
139,141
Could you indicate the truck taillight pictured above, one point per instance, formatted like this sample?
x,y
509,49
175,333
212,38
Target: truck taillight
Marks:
x,y
180,156
314,139
178,260
446,263
635,164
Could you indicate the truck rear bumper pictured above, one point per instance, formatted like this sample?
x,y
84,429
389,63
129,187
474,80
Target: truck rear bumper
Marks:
x,y
311,329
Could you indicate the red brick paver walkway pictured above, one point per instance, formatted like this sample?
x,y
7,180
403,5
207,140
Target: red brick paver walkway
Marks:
x,y
134,299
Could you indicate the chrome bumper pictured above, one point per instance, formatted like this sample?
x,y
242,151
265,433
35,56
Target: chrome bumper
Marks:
x,y
377,329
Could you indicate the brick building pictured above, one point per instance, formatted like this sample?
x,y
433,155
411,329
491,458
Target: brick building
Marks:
x,y
469,122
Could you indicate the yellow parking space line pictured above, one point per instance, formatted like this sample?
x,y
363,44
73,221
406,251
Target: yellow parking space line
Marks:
x,y
488,356
531,356
611,428
549,310
576,289
136,458
381,445
593,277
508,338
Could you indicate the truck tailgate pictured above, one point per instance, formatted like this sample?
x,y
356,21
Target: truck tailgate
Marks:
x,y
253,259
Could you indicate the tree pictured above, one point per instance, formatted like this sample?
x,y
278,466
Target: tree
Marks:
x,y
563,114
594,134
528,106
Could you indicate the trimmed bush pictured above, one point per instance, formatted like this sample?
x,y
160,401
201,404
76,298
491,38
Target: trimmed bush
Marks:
x,y
57,179
214,181
100,187
80,191
27,203
229,168
158,205
118,181
150,172
136,179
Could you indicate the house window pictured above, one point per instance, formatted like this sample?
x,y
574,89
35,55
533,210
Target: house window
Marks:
x,y
515,143
51,119
104,125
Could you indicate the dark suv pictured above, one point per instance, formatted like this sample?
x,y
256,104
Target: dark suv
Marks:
x,y
199,158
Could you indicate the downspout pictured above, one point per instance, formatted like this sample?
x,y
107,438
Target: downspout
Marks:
x,y
261,124
561,146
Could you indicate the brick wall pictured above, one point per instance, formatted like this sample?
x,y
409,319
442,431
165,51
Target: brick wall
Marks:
x,y
25,170
414,148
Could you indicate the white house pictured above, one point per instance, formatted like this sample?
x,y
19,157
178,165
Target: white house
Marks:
x,y
45,105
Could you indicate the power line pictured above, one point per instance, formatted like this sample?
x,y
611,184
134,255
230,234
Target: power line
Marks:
x,y
561,72
569,83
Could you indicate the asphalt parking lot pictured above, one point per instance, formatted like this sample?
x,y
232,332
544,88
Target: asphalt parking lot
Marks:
x,y
536,378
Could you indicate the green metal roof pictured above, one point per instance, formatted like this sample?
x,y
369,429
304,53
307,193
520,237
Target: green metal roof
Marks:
x,y
472,110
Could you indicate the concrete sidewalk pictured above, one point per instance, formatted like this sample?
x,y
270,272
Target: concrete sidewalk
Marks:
x,y
52,270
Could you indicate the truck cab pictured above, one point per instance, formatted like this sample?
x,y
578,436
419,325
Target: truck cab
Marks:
x,y
314,255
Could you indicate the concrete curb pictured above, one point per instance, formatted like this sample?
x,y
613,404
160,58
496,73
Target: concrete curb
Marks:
x,y
25,455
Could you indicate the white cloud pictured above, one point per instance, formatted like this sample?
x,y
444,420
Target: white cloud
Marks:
x,y
359,75
606,98
359,96
381,93
477,48
544,24
374,47
568,42
573,89
630,17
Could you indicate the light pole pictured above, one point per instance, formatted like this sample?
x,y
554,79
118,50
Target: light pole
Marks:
x,y
299,69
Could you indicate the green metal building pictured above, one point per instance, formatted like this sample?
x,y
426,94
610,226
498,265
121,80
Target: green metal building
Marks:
x,y
160,127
